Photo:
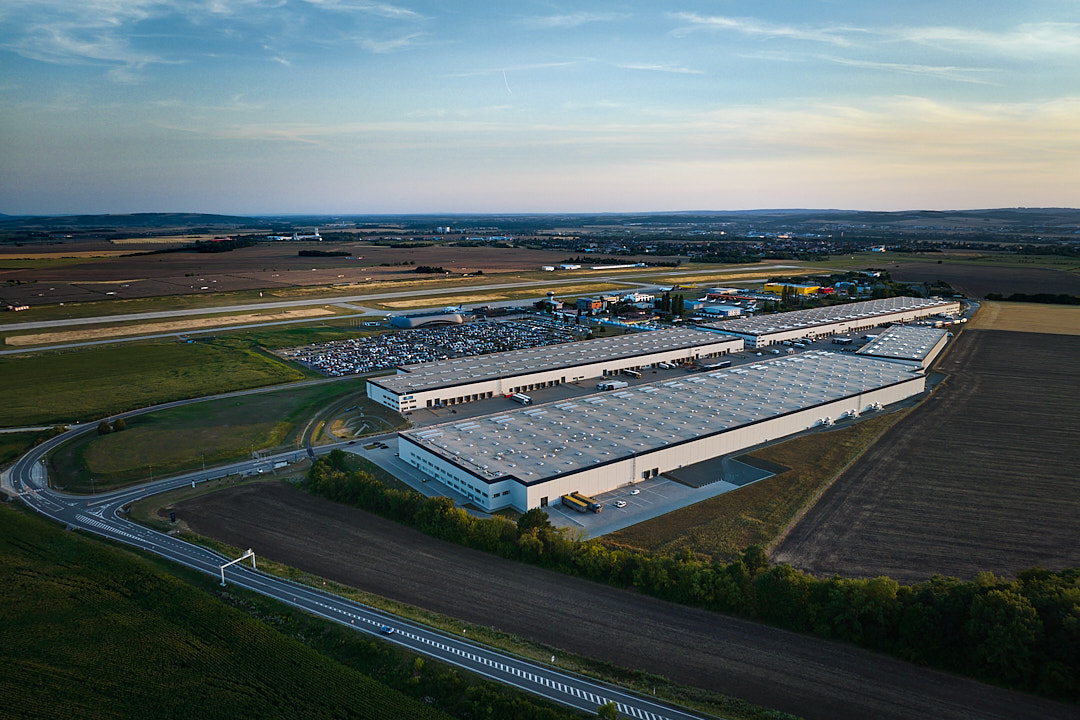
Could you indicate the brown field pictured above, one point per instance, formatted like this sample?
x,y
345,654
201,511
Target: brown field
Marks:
x,y
808,677
978,280
981,476
64,336
1028,317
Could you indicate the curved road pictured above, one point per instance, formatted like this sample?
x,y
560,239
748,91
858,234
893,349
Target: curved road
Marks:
x,y
103,515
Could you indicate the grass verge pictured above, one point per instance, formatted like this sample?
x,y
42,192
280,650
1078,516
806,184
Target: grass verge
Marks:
x,y
187,437
88,383
722,527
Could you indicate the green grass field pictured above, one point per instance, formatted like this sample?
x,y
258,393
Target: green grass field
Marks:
x,y
860,261
183,438
95,632
85,384
723,526
14,445
292,336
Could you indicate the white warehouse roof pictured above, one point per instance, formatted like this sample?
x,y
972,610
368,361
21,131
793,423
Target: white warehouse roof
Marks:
x,y
458,371
537,443
799,319
904,342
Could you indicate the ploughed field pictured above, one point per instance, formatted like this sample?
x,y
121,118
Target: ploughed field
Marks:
x,y
980,477
978,280
774,668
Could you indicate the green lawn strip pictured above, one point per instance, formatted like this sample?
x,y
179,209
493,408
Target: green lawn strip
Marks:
x,y
722,527
644,683
200,434
118,330
89,383
93,631
293,336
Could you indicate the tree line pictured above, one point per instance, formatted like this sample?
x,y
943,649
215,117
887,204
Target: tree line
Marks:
x,y
1022,633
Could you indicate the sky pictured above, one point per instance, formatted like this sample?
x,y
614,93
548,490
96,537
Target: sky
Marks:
x,y
350,106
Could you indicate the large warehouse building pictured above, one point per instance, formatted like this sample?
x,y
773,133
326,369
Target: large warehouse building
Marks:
x,y
451,382
907,344
821,322
531,457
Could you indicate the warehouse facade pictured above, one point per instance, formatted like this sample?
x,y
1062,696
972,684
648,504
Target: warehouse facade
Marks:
x,y
765,330
461,380
530,457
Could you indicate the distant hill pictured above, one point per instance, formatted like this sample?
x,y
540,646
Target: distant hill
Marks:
x,y
136,220
994,219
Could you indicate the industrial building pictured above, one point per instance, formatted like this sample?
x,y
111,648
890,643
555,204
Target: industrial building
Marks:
x,y
451,382
805,289
765,330
912,345
530,457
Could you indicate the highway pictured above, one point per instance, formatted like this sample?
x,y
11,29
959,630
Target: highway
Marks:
x,y
104,515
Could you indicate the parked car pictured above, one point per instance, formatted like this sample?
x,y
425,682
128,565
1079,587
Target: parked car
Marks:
x,y
619,503
635,491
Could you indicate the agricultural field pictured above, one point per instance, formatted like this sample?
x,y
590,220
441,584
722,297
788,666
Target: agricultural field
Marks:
x,y
722,527
689,646
95,632
1027,317
977,281
89,383
187,437
980,477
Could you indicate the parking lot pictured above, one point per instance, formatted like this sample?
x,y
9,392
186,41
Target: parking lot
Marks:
x,y
387,351
652,498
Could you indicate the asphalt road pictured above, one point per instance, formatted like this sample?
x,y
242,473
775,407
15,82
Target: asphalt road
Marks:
x,y
103,515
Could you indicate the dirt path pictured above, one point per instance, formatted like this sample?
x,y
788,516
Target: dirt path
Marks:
x,y
770,667
982,476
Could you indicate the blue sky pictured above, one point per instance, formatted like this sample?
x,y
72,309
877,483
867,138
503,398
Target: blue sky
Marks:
x,y
349,106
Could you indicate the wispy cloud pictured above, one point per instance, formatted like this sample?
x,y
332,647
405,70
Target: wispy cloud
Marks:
x,y
660,67
1027,40
389,45
752,27
571,20
944,72
386,10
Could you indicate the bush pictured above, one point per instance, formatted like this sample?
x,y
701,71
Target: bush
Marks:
x,y
104,428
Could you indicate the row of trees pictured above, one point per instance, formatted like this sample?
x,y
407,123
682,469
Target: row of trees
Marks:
x,y
1023,633
1048,298
671,304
